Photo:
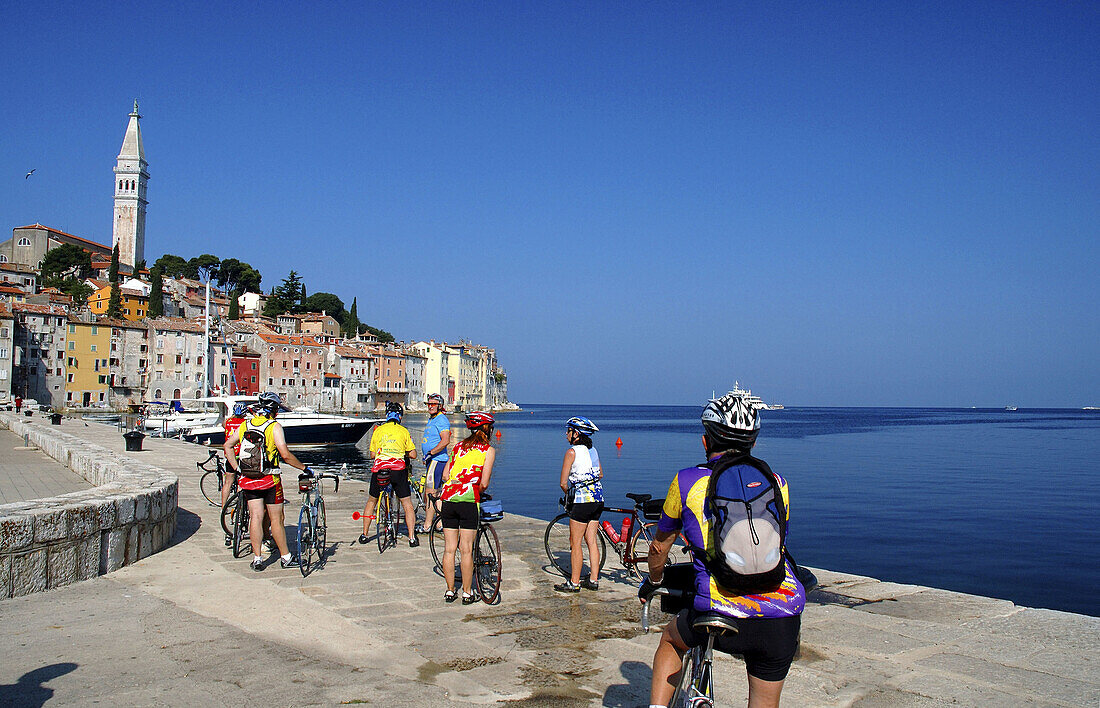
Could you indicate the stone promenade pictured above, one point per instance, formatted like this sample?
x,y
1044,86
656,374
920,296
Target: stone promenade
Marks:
x,y
192,626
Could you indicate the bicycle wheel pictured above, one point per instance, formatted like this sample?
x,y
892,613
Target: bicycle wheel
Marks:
x,y
556,542
680,697
636,558
240,527
382,522
320,531
305,541
211,486
229,513
436,542
487,564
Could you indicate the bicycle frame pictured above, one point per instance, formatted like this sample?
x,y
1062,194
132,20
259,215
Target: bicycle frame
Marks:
x,y
697,668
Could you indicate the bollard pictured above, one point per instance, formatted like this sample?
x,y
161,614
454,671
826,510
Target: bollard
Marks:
x,y
133,440
55,418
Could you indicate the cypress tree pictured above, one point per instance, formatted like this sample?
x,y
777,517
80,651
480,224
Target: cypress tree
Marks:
x,y
114,305
351,322
234,306
156,294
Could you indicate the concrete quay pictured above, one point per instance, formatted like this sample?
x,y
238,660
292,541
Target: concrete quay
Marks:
x,y
190,625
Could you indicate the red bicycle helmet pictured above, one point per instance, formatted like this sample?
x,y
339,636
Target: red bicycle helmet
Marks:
x,y
476,419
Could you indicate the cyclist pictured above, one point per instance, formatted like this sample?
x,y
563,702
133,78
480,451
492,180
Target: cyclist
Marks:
x,y
768,623
465,478
231,424
580,476
265,493
391,447
437,436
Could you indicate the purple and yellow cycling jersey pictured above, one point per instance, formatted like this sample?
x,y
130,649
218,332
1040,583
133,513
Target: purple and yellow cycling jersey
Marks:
x,y
685,510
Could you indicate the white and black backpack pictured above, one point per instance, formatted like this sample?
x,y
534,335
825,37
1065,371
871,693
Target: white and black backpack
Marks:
x,y
252,459
746,543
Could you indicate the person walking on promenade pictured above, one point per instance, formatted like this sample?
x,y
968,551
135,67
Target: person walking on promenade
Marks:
x,y
265,492
392,447
437,436
18,404
581,476
464,480
732,503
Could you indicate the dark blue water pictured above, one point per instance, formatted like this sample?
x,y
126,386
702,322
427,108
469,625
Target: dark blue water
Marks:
x,y
991,502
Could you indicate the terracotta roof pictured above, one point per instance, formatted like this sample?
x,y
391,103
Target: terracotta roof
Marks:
x,y
175,324
38,309
62,233
300,340
244,351
118,322
351,352
4,311
10,289
332,376
18,268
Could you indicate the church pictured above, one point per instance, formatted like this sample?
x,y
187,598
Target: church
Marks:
x,y
28,244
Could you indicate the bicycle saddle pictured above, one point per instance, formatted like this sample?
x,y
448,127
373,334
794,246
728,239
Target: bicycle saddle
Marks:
x,y
715,623
639,498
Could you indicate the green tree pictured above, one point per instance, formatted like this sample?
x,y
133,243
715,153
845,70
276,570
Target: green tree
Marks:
x,y
326,302
171,266
237,275
287,297
156,294
234,306
351,321
114,305
65,262
383,335
112,272
139,266
202,267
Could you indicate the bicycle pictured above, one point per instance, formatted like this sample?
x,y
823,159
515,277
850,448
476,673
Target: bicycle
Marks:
x,y
235,521
312,527
488,563
388,514
696,685
212,479
631,543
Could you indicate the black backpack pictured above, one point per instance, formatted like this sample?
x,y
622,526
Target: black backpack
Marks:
x,y
748,525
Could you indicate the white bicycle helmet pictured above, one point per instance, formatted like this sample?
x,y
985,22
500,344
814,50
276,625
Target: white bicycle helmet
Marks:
x,y
731,421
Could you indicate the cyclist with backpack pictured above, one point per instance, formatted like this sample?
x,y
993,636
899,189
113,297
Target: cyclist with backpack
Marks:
x,y
437,436
581,473
392,447
733,510
262,450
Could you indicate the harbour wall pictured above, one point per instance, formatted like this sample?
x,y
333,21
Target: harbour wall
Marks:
x,y
129,514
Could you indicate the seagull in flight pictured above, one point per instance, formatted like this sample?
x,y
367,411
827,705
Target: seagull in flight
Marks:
x,y
28,175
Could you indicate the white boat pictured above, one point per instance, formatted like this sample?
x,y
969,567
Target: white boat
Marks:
x,y
301,426
1010,408
755,401
774,407
170,418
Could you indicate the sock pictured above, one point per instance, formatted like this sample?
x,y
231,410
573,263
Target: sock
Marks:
x,y
257,558
286,557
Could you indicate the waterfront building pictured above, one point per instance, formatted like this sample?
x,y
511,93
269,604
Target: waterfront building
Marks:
x,y
321,325
129,360
7,348
39,348
180,362
12,294
436,375
293,365
353,368
389,375
251,304
133,299
415,366
131,181
87,363
246,371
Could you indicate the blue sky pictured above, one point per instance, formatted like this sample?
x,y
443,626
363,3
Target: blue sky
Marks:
x,y
836,204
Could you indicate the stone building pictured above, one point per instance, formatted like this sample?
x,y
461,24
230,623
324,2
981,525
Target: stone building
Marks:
x,y
87,363
180,363
353,368
437,378
129,362
389,375
19,276
39,345
415,366
29,244
7,349
293,365
131,181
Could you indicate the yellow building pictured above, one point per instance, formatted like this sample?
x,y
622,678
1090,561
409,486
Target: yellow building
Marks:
x,y
88,351
133,300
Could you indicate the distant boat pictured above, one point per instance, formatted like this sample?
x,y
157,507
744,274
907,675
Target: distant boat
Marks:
x,y
774,407
1091,408
1010,408
755,401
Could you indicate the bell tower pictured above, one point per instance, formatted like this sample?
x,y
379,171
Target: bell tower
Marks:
x,y
131,179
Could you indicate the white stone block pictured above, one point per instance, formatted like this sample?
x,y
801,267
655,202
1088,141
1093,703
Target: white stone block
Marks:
x,y
16,532
28,573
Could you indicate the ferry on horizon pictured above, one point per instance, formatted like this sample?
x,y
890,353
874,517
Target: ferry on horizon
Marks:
x,y
755,401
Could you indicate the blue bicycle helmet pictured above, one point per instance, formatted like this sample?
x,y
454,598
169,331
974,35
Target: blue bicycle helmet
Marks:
x,y
582,425
239,410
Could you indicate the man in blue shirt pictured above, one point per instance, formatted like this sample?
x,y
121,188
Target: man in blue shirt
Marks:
x,y
437,435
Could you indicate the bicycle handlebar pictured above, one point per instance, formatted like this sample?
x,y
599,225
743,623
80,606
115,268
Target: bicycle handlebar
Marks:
x,y
649,603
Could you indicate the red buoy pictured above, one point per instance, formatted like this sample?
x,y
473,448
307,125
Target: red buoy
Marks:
x,y
498,435
619,442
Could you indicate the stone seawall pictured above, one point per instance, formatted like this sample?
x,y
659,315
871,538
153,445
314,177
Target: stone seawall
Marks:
x,y
128,515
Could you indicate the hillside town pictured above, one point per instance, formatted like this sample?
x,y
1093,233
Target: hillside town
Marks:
x,y
118,334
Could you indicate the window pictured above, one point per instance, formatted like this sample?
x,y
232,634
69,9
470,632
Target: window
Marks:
x,y
93,347
160,358
253,368
198,361
24,241
72,346
270,382
72,329
253,379
102,379
69,378
179,358
95,330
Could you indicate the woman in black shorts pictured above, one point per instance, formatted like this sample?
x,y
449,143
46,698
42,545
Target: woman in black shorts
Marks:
x,y
581,473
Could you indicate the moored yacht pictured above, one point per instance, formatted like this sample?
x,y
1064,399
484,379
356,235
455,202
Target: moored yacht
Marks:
x,y
300,426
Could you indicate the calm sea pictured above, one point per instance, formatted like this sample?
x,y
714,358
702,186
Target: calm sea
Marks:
x,y
991,502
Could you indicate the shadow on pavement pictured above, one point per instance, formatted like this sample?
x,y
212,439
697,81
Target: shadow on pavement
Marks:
x,y
29,692
632,693
187,523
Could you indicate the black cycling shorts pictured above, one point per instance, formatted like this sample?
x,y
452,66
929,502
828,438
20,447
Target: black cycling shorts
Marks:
x,y
586,511
459,515
272,496
399,480
768,644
